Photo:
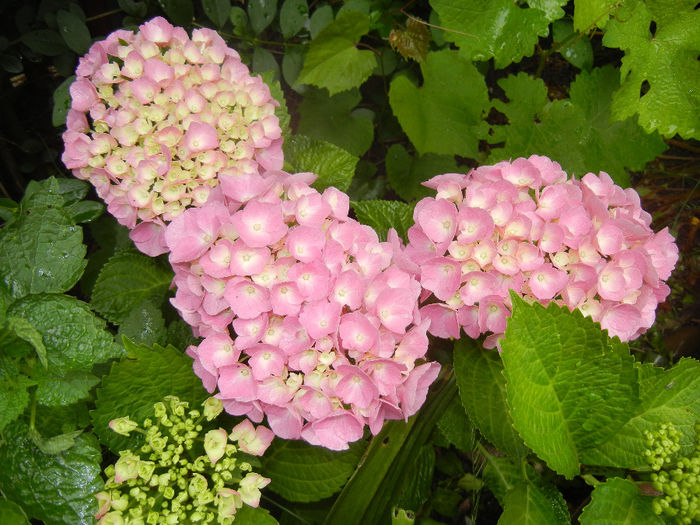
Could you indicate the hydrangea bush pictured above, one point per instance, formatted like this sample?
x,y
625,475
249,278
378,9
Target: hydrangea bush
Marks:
x,y
159,119
524,225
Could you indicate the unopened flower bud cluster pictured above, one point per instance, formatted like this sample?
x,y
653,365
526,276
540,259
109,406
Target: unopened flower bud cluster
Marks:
x,y
307,317
169,479
525,226
678,478
158,118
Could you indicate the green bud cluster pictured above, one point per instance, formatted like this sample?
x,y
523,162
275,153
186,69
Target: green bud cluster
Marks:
x,y
677,478
171,478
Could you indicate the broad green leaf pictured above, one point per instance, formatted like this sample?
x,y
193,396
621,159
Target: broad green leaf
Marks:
x,y
595,143
127,280
254,516
444,115
292,62
61,102
302,472
362,6
180,12
671,396
619,502
85,211
406,172
321,17
265,62
12,514
366,184
333,165
456,427
133,7
179,334
58,489
591,13
367,497
501,475
576,49
73,30
332,119
528,504
568,390
42,251
660,72
382,215
26,331
54,390
414,486
14,397
144,324
51,421
217,11
261,14
75,339
138,381
44,42
501,29
479,374
293,16
239,20
56,444
333,60
71,190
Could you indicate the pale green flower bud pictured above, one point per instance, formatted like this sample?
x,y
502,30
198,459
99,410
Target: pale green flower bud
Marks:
x,y
146,469
228,501
250,486
212,408
215,444
112,518
126,467
104,499
197,485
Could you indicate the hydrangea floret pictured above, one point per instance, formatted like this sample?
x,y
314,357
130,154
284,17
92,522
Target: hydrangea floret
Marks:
x,y
307,318
677,478
178,476
526,226
158,119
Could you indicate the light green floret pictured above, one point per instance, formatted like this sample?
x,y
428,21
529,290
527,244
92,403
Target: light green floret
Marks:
x,y
677,478
172,478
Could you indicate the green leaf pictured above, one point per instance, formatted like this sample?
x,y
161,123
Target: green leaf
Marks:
x,y
75,339
501,29
180,12
255,516
578,50
334,166
43,194
321,17
456,427
366,184
276,91
72,190
73,30
12,514
671,396
217,11
333,62
144,324
591,13
14,397
406,172
261,14
414,486
302,472
264,61
594,144
44,42
85,211
56,444
482,389
239,20
332,119
528,504
444,115
138,381
292,62
42,251
619,502
61,102
568,388
501,475
665,62
367,497
58,489
133,8
53,390
127,280
26,331
382,215
293,16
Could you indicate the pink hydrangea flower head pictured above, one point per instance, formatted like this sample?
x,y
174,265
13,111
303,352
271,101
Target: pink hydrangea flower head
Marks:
x,y
307,318
525,226
155,118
